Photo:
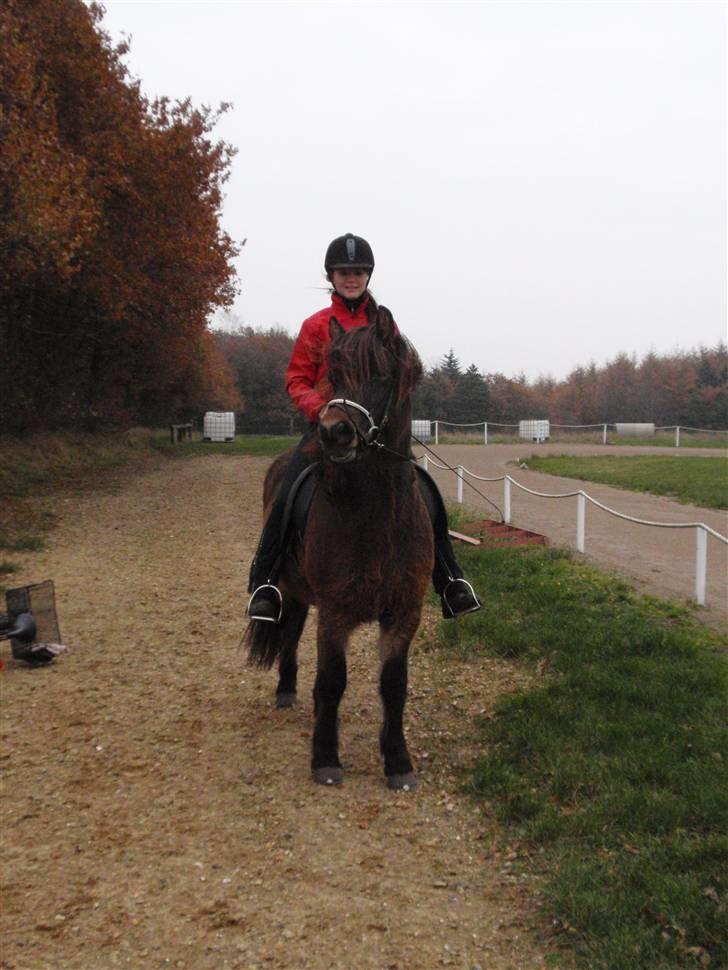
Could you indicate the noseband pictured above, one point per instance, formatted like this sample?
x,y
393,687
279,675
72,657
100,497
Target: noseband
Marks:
x,y
371,436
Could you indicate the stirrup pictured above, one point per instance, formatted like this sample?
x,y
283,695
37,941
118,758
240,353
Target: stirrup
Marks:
x,y
471,604
256,615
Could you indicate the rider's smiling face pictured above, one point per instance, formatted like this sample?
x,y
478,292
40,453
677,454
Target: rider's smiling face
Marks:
x,y
350,283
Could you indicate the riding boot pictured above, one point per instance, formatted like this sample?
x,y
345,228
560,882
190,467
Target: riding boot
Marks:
x,y
457,595
266,601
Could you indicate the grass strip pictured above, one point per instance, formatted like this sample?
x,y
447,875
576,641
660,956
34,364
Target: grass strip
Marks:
x,y
698,480
616,769
56,460
260,445
50,462
717,440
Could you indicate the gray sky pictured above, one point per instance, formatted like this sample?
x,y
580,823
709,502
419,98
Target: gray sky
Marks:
x,y
543,183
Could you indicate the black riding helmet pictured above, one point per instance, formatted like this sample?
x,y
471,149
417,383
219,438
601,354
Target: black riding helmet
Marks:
x,y
349,252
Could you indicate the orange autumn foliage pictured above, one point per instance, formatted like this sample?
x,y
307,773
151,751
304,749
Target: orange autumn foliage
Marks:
x,y
112,257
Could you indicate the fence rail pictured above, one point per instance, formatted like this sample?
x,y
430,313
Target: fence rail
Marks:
x,y
702,531
604,426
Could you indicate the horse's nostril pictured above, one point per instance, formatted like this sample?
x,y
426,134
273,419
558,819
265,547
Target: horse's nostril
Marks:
x,y
342,432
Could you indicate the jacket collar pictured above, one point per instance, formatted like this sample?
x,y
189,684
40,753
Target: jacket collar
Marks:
x,y
353,306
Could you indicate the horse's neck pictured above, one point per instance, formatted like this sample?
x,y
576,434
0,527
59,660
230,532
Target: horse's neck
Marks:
x,y
381,479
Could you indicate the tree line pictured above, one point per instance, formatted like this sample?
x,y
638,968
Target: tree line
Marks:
x,y
689,389
112,258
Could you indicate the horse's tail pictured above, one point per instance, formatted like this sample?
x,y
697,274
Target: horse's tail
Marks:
x,y
265,641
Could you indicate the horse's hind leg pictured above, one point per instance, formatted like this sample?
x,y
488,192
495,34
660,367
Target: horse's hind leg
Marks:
x,y
295,618
394,648
327,693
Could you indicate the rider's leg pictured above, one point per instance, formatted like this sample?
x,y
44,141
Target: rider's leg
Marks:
x,y
266,602
457,595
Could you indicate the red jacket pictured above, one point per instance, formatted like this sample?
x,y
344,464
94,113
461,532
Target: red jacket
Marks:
x,y
306,377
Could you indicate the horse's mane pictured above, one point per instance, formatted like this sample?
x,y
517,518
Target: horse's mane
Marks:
x,y
358,357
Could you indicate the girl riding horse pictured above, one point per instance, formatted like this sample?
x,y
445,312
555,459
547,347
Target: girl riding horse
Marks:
x,y
349,264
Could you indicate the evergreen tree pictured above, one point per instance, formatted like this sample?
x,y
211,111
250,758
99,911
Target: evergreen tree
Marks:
x,y
470,400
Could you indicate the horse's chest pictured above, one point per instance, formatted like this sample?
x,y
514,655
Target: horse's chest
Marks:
x,y
367,540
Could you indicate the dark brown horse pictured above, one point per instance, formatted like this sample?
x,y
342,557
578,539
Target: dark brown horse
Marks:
x,y
367,551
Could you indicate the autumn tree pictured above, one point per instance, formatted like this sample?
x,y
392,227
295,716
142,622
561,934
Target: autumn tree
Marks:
x,y
258,358
111,252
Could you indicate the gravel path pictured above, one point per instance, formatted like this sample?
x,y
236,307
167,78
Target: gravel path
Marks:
x,y
158,812
657,561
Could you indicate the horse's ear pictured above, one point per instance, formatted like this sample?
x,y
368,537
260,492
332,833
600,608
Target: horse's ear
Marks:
x,y
335,328
385,324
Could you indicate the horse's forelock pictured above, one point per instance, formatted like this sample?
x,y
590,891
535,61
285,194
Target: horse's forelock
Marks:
x,y
359,357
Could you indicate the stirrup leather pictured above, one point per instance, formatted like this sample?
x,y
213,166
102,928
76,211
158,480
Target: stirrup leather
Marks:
x,y
266,619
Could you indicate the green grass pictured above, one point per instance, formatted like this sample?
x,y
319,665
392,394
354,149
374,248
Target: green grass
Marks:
x,y
688,439
29,464
261,445
614,772
49,462
698,480
719,440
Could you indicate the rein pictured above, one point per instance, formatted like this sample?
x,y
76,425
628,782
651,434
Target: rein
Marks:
x,y
370,438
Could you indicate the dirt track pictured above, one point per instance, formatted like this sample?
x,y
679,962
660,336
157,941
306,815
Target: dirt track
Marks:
x,y
657,561
157,812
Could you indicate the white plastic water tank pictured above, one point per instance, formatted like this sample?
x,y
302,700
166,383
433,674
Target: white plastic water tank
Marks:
x,y
534,430
422,430
219,426
635,430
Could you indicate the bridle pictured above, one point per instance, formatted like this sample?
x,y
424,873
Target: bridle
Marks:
x,y
370,437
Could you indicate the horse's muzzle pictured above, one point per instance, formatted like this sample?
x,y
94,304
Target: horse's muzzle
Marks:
x,y
338,439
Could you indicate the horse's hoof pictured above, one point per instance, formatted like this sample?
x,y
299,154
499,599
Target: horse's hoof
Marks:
x,y
328,776
285,699
405,782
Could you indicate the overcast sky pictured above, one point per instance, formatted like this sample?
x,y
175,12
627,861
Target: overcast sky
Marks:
x,y
543,183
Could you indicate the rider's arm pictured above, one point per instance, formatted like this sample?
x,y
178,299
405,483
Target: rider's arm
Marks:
x,y
304,373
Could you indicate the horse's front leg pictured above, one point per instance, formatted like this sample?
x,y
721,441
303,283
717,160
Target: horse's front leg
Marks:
x,y
328,690
394,642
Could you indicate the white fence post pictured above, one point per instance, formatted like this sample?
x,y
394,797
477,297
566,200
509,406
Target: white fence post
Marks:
x,y
507,500
460,484
677,436
604,436
580,520
701,561
437,440
485,442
